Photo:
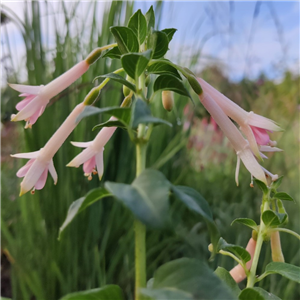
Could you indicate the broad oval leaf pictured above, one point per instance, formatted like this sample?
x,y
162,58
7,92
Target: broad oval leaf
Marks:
x,y
261,185
138,24
275,184
286,270
166,293
236,250
192,276
150,18
161,67
169,32
125,38
168,82
273,219
107,292
194,201
147,197
158,42
121,113
247,222
135,64
81,204
118,78
256,293
283,196
113,53
225,276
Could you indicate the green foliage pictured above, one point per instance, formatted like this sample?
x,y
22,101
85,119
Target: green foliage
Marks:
x,y
273,219
225,276
286,270
283,196
161,67
126,39
138,24
256,294
118,78
247,222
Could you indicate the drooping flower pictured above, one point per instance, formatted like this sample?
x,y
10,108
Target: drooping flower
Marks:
x,y
40,162
240,144
92,156
255,127
37,97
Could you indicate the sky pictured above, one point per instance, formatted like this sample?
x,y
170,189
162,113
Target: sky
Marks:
x,y
244,38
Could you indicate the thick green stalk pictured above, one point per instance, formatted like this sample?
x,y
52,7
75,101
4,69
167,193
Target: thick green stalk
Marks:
x,y
260,238
139,228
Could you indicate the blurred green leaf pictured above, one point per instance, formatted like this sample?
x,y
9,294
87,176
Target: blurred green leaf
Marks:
x,y
81,204
236,250
245,221
108,292
166,294
150,18
169,32
256,293
289,271
161,67
194,201
138,24
147,197
225,276
158,42
135,64
110,123
169,82
118,78
126,39
283,196
276,184
262,186
192,276
273,219
113,53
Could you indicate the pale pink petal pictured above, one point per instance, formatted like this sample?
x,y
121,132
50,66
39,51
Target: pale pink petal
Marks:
x,y
82,157
22,171
42,180
103,136
263,156
269,149
262,122
27,155
82,144
100,164
261,135
237,170
247,130
52,171
24,102
34,117
89,165
28,89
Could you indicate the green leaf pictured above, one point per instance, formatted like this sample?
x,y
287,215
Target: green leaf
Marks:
x,y
169,32
121,113
245,221
113,53
289,271
150,18
273,219
135,64
161,67
118,78
147,197
275,184
81,204
256,293
192,276
158,42
107,292
138,24
141,114
125,38
166,294
110,123
283,196
194,201
261,185
236,250
170,83
225,276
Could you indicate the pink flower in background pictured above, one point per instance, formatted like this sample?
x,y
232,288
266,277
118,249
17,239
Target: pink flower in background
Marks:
x,y
92,156
255,127
40,162
37,97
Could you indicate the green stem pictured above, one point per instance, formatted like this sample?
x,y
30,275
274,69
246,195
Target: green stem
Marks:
x,y
240,262
259,242
139,228
287,231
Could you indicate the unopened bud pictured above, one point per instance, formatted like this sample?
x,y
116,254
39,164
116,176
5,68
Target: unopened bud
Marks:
x,y
91,96
254,235
127,101
167,100
191,77
147,81
94,56
210,248
126,90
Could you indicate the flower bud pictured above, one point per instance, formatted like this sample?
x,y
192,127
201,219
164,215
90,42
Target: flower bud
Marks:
x,y
194,83
210,248
277,254
167,100
94,56
126,90
147,80
91,96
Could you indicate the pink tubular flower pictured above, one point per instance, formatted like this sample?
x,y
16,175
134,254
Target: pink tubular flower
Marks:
x,y
255,127
92,156
238,272
239,143
40,162
37,97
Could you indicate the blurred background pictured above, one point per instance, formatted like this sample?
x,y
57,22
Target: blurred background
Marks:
x,y
247,50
